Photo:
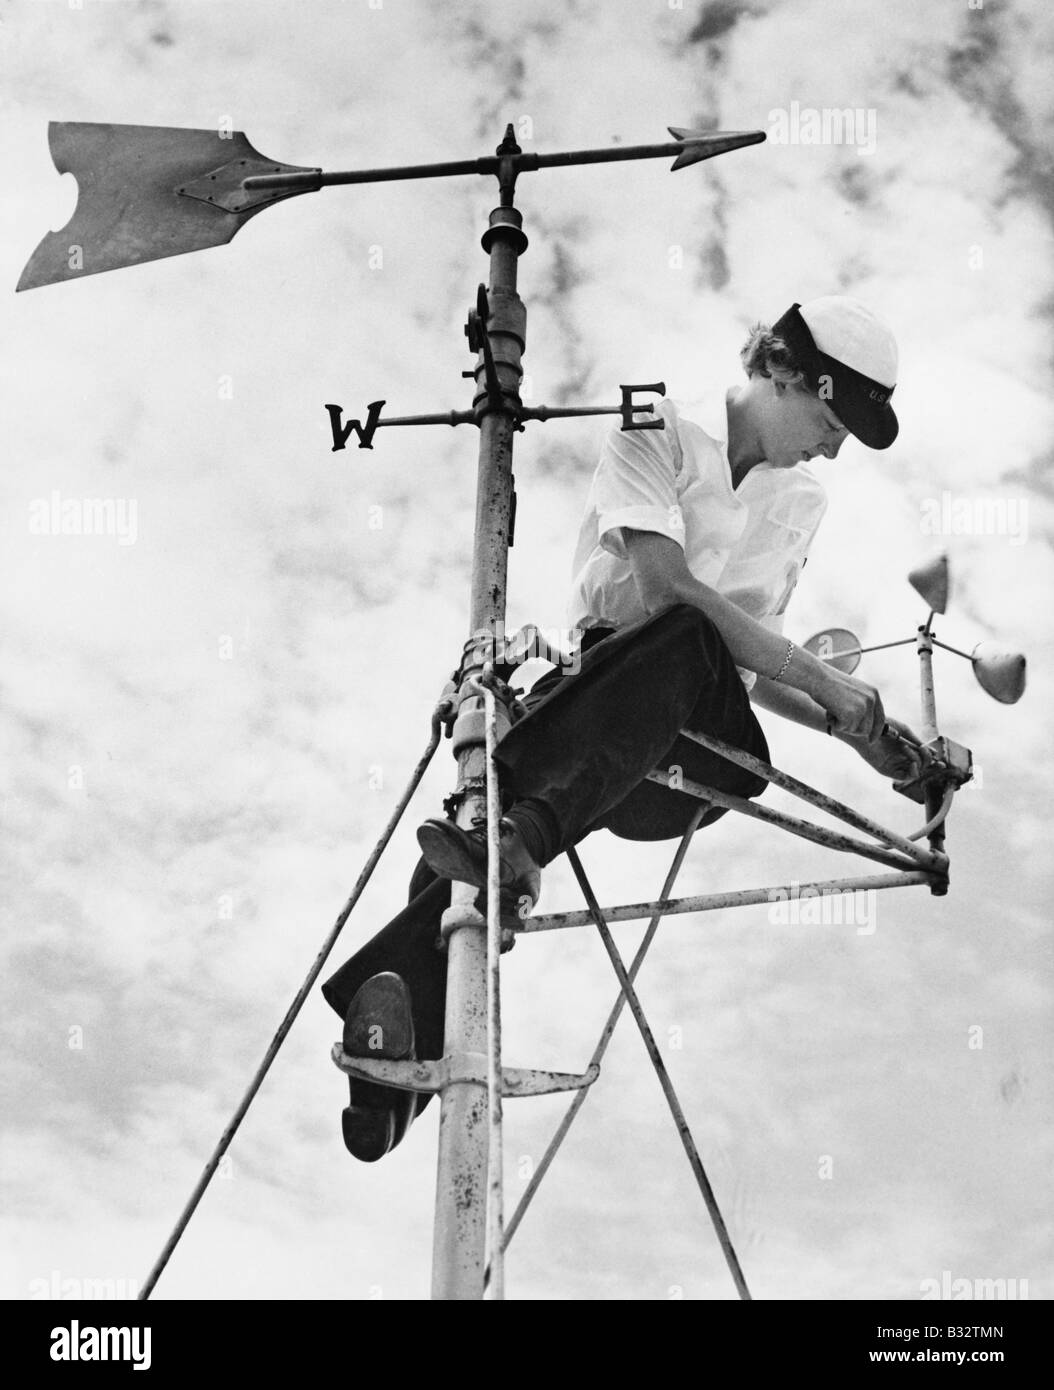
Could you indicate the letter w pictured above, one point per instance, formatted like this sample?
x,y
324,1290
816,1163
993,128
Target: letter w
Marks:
x,y
365,432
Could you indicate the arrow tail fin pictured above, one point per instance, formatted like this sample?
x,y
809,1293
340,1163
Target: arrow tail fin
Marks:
x,y
129,205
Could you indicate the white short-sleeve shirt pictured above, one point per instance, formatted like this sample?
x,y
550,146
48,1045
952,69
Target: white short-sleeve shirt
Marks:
x,y
749,543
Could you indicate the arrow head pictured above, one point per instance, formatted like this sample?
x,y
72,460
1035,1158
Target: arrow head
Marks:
x,y
703,144
129,205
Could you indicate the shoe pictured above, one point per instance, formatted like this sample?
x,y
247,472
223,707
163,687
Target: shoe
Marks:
x,y
462,855
379,1023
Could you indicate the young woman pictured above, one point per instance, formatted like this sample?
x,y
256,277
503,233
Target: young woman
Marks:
x,y
688,554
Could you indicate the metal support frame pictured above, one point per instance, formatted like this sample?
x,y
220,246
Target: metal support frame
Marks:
x,y
630,995
741,897
627,994
609,1027
916,867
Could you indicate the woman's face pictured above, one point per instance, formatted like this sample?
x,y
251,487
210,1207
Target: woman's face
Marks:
x,y
793,423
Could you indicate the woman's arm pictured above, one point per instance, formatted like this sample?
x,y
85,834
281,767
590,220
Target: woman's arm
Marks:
x,y
662,577
794,705
891,754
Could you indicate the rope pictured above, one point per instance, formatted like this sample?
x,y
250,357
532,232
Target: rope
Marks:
x,y
294,1009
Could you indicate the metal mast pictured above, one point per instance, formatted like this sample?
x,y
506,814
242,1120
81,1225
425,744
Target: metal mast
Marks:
x,y
461,1186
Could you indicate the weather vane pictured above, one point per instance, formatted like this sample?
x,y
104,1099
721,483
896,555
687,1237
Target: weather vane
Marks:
x,y
145,193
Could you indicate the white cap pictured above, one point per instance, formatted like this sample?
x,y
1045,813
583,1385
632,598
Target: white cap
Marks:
x,y
852,333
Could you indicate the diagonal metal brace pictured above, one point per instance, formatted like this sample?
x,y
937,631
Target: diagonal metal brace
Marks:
x,y
432,1077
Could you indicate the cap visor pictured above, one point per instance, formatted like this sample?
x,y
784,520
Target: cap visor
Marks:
x,y
851,397
877,428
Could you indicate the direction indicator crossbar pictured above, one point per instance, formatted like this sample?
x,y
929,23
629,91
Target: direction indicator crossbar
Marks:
x,y
518,413
532,412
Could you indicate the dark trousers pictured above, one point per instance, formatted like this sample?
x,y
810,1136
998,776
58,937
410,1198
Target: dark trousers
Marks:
x,y
584,748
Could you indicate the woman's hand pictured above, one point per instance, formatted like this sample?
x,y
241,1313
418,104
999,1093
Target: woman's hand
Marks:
x,y
854,708
894,754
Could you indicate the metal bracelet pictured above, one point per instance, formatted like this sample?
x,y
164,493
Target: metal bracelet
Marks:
x,y
786,662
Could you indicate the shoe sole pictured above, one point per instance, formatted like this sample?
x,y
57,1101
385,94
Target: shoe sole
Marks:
x,y
379,1024
447,856
382,1025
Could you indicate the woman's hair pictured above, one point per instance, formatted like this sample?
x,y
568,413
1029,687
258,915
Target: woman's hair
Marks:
x,y
766,354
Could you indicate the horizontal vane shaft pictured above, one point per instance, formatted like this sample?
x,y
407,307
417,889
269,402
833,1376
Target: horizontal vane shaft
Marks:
x,y
687,151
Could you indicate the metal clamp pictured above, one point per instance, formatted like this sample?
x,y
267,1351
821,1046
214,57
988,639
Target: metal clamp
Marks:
x,y
479,341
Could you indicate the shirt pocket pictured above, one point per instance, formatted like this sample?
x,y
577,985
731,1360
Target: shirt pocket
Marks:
x,y
761,576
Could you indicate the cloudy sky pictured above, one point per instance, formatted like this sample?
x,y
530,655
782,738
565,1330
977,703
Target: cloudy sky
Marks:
x,y
207,717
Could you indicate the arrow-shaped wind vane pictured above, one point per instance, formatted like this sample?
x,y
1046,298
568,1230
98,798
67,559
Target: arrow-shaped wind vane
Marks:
x,y
147,192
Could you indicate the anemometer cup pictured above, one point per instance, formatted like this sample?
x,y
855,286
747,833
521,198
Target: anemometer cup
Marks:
x,y
1000,673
